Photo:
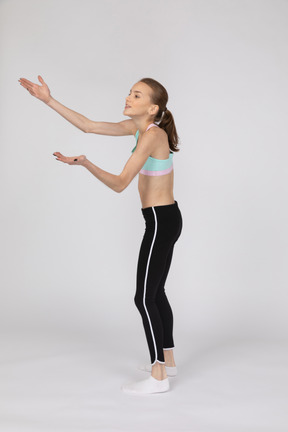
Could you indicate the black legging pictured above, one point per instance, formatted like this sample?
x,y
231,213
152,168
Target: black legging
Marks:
x,y
163,228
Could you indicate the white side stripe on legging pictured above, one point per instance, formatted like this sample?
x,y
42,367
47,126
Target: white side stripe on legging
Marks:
x,y
147,268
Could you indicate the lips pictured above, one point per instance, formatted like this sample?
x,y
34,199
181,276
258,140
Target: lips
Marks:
x,y
127,106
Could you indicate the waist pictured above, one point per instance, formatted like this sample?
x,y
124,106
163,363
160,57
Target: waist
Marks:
x,y
159,208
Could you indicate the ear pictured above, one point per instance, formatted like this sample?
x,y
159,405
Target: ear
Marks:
x,y
153,110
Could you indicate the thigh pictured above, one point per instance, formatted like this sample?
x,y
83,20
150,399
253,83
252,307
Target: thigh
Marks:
x,y
153,264
163,228
166,271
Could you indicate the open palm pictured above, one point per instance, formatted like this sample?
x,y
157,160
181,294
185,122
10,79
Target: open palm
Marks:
x,y
72,160
41,92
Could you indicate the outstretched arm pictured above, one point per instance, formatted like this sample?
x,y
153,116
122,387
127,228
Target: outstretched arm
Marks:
x,y
107,178
116,182
42,92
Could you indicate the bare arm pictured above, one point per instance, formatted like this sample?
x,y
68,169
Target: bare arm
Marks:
x,y
125,127
78,120
116,182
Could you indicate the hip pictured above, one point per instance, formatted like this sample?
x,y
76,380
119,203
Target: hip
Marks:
x,y
165,219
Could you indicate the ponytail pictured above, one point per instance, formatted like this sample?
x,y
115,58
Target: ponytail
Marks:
x,y
167,123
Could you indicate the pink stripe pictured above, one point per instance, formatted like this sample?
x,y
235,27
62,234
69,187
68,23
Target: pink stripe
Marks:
x,y
151,125
156,173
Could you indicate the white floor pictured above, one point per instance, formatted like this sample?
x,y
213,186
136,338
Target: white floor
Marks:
x,y
52,382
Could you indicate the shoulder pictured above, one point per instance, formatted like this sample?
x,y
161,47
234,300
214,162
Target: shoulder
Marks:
x,y
147,140
156,132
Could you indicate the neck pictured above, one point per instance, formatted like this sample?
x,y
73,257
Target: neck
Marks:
x,y
142,124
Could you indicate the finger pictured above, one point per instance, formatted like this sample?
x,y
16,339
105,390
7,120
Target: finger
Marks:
x,y
27,87
60,157
25,81
41,79
31,91
24,85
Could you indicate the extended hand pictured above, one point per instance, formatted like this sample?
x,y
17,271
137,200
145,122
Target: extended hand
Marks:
x,y
73,160
40,92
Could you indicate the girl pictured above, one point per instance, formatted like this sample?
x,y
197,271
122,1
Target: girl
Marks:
x,y
152,158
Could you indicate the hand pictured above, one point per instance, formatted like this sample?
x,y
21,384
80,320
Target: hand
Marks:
x,y
40,92
73,160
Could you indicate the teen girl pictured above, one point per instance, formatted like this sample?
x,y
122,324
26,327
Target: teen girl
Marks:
x,y
153,126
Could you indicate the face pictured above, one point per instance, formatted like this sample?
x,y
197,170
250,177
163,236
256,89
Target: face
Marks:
x,y
138,102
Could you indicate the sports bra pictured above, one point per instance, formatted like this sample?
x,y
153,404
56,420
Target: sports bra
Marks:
x,y
153,166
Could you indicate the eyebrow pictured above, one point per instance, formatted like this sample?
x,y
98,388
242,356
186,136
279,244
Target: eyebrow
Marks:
x,y
136,91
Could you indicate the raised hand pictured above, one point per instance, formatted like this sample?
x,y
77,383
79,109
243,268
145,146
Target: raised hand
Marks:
x,y
41,92
73,160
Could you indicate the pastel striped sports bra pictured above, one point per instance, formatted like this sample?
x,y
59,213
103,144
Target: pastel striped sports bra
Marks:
x,y
153,166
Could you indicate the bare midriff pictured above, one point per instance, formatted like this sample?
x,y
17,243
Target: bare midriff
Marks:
x,y
156,190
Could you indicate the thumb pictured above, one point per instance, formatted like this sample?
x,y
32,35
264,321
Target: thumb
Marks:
x,y
40,79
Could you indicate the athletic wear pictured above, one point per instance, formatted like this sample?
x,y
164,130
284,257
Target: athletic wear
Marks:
x,y
163,228
147,386
153,166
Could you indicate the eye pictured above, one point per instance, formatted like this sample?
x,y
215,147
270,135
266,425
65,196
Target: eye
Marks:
x,y
136,96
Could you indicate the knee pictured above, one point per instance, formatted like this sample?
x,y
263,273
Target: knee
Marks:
x,y
138,300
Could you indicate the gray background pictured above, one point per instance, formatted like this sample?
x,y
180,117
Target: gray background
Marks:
x,y
69,244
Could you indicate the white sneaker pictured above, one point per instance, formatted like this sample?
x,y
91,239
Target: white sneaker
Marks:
x,y
171,371
147,386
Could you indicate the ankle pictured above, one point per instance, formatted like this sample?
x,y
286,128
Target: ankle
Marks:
x,y
159,371
159,375
170,363
169,358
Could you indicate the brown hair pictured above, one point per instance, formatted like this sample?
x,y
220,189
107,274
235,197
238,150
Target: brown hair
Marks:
x,y
164,116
